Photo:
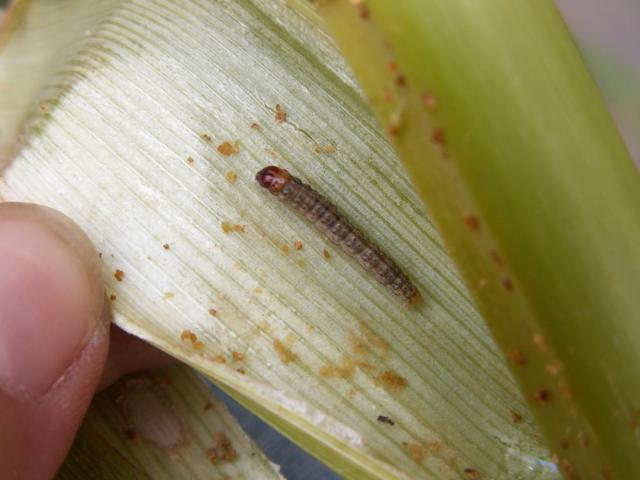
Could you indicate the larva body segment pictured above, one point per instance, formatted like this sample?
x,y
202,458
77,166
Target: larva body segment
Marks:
x,y
337,228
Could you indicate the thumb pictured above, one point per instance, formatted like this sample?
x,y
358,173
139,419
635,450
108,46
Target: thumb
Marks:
x,y
53,337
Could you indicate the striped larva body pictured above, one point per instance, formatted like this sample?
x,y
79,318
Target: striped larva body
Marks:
x,y
337,228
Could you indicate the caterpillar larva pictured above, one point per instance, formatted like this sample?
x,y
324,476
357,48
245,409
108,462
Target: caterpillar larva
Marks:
x,y
338,229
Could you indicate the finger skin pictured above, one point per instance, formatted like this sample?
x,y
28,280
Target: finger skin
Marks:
x,y
54,337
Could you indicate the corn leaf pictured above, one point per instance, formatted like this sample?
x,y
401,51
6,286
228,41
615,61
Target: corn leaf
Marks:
x,y
163,425
147,128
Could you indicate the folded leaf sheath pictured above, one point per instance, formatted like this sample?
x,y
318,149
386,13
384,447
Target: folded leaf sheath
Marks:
x,y
337,228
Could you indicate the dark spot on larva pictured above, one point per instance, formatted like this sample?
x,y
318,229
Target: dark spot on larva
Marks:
x,y
392,66
564,445
131,433
118,275
206,137
438,137
515,416
507,283
208,406
607,474
281,115
472,474
472,222
394,128
542,396
430,101
497,259
401,80
385,419
391,380
166,246
387,95
99,254
517,357
229,148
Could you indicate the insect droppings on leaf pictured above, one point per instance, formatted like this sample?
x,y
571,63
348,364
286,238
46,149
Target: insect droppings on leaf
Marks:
x,y
298,245
227,148
415,450
362,9
517,357
385,419
337,228
284,352
344,371
118,275
113,297
472,474
281,115
438,136
541,396
166,246
228,227
256,126
472,222
515,416
326,254
430,101
189,160
219,359
206,137
391,380
231,176
227,452
237,356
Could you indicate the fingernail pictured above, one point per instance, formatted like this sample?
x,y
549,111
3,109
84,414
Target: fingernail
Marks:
x,y
51,297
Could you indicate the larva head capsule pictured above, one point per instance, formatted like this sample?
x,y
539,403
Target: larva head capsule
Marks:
x,y
273,178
